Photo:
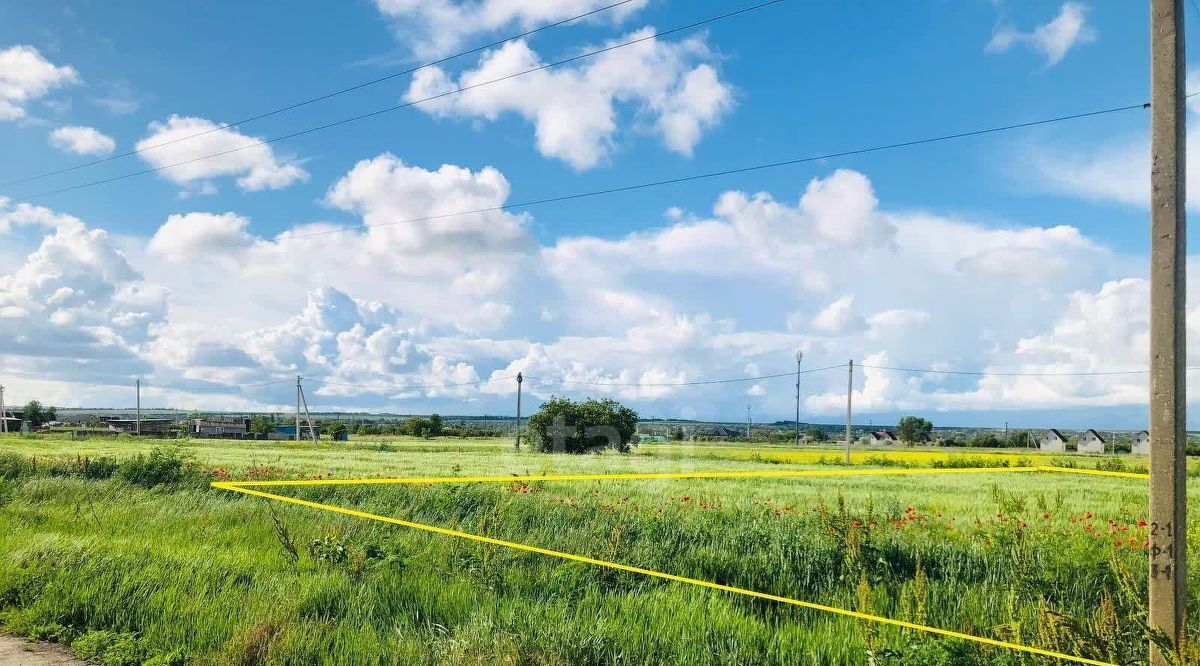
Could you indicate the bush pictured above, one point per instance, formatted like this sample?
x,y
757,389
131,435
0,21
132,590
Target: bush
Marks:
x,y
162,466
562,425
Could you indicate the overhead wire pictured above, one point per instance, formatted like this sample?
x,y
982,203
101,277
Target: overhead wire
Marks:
x,y
1010,374
396,107
703,176
320,98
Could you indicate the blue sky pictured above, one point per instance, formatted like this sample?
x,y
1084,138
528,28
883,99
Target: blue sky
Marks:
x,y
1017,252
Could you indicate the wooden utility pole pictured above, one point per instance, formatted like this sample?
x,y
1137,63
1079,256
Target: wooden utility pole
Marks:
x,y
137,387
849,395
520,379
1168,255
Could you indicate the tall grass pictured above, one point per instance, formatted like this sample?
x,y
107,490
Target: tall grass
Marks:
x,y
128,569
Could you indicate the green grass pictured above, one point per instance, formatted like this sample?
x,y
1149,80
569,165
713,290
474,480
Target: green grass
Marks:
x,y
128,573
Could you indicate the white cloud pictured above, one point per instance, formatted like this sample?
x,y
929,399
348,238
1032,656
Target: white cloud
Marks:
x,y
82,140
26,75
575,109
839,318
382,313
437,27
1053,39
256,167
450,270
900,320
75,308
1113,170
199,235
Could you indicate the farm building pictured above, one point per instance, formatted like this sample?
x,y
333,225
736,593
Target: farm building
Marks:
x,y
148,426
220,426
1091,442
289,432
1052,440
12,422
882,437
1141,443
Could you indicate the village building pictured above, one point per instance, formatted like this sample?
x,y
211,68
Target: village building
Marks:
x,y
220,426
1091,442
881,437
146,427
1052,440
1141,443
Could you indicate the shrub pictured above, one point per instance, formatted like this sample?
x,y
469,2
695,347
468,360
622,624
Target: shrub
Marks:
x,y
162,466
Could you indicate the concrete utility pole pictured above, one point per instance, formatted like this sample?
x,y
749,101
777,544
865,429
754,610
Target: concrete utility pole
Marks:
x,y
297,409
1168,255
849,411
799,357
137,387
3,414
747,422
520,379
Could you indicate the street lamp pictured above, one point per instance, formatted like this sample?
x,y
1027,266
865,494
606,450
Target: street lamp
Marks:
x,y
799,358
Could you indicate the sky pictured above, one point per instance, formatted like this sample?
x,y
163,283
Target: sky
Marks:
x,y
397,263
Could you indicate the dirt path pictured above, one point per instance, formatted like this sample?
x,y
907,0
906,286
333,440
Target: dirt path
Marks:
x,y
18,652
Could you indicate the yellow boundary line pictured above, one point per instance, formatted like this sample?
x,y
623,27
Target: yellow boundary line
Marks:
x,y
242,487
681,475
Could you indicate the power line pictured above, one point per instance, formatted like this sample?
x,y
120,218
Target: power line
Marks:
x,y
1011,374
715,174
320,98
221,387
371,114
692,383
409,387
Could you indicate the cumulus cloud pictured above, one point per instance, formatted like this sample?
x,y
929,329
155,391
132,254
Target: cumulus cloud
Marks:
x,y
26,75
400,316
82,140
1052,39
199,235
437,27
447,269
575,109
75,308
839,317
255,166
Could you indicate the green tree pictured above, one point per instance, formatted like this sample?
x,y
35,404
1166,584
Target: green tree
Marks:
x,y
986,440
35,414
436,426
417,426
914,429
815,435
562,425
261,425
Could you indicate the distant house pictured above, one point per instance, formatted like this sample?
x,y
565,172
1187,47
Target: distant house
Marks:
x,y
1091,442
881,437
1141,443
1052,440
221,426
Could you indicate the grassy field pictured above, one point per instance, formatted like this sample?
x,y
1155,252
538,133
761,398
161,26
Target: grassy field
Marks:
x,y
138,561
